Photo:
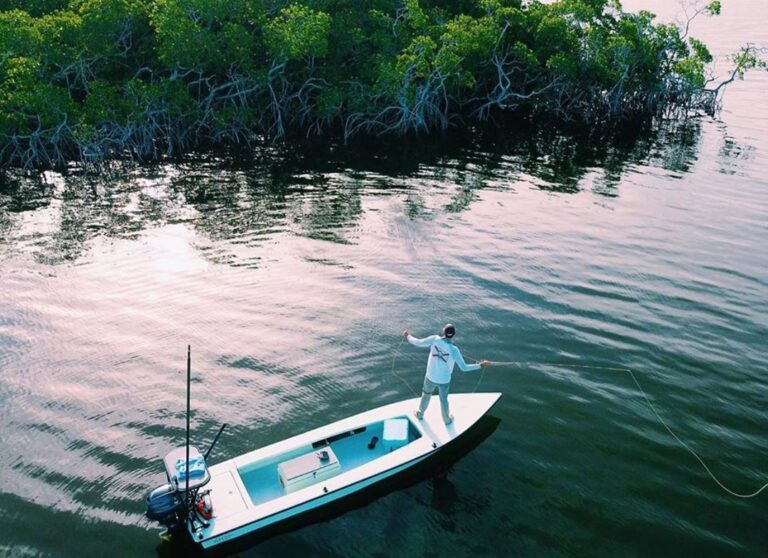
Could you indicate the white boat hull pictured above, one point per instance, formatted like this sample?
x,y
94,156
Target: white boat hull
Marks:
x,y
247,498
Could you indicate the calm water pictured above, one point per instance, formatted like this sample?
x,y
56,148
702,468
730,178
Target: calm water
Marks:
x,y
292,281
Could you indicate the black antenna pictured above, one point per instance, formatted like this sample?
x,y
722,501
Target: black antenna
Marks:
x,y
216,439
189,380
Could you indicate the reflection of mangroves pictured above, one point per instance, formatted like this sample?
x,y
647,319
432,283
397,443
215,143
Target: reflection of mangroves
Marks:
x,y
92,79
242,201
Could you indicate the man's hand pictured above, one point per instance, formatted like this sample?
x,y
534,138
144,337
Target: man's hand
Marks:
x,y
485,363
406,334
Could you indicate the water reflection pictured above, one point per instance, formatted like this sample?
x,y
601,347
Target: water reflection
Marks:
x,y
564,251
733,155
445,500
644,250
676,148
319,195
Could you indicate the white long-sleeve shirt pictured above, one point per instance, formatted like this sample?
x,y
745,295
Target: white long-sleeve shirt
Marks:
x,y
443,354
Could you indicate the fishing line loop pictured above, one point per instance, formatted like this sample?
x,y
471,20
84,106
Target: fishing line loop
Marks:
x,y
398,376
607,368
655,412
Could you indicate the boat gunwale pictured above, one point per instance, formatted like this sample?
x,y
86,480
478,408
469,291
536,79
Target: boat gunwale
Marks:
x,y
373,478
427,445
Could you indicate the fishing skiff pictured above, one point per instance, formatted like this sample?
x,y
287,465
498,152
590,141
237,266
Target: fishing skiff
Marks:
x,y
280,483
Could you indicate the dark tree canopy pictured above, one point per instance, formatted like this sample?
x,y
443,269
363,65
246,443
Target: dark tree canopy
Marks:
x,y
92,79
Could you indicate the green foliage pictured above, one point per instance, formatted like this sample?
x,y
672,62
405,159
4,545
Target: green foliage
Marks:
x,y
111,27
416,17
465,44
164,75
33,7
26,105
18,34
700,50
206,35
748,58
417,58
298,32
182,39
105,103
60,46
691,71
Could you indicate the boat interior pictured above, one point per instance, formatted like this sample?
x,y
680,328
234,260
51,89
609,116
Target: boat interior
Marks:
x,y
270,478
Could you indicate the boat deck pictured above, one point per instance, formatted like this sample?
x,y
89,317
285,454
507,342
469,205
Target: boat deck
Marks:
x,y
263,483
248,491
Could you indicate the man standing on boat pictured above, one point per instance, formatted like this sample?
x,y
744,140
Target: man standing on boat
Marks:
x,y
443,354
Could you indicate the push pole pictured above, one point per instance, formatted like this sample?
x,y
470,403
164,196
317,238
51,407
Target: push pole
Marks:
x,y
186,469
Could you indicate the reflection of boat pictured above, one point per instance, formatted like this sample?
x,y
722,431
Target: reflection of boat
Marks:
x,y
307,477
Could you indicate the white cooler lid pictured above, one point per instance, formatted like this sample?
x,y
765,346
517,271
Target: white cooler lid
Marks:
x,y
396,429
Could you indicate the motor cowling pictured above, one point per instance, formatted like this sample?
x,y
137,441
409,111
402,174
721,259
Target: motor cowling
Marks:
x,y
165,505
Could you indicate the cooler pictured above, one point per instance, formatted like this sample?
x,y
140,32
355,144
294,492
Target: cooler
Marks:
x,y
395,433
307,469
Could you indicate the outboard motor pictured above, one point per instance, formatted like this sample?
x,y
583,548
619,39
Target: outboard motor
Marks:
x,y
166,506
182,500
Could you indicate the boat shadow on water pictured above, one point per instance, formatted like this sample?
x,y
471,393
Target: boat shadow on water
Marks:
x,y
434,467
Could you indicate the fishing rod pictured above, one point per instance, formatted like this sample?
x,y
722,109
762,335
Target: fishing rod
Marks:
x,y
216,439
